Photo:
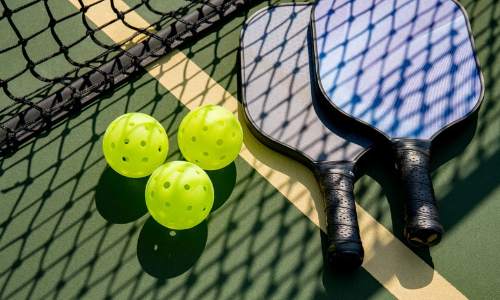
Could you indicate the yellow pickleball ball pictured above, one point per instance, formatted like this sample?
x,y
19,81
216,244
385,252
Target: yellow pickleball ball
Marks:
x,y
179,195
210,136
135,144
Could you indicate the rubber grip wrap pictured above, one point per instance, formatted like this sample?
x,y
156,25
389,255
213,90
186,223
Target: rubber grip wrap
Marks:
x,y
345,250
422,224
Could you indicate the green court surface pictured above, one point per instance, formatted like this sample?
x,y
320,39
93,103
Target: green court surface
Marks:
x,y
72,228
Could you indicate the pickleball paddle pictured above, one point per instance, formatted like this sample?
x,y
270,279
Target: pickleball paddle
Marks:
x,y
408,69
282,112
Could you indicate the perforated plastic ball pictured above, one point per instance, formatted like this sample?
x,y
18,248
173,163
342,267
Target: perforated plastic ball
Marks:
x,y
135,144
179,195
210,136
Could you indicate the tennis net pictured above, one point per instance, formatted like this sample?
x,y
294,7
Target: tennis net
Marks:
x,y
56,61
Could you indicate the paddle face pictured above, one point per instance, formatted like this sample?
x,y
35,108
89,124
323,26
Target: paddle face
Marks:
x,y
405,67
283,113
277,90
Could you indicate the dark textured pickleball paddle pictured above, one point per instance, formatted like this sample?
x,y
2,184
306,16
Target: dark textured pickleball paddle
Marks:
x,y
282,112
408,69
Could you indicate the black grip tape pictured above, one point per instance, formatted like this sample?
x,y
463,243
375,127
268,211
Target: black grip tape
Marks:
x,y
422,224
345,250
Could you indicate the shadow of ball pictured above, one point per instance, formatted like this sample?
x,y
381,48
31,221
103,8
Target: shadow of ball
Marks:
x,y
224,181
120,199
166,253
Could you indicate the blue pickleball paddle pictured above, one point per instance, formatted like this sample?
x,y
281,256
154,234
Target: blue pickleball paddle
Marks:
x,y
408,69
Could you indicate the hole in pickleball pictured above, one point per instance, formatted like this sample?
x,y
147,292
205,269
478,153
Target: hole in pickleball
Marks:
x,y
159,149
180,169
113,145
147,127
193,139
145,159
204,208
167,204
143,143
234,134
222,157
205,128
205,153
189,208
152,194
205,188
187,187
220,142
131,124
125,159
166,185
126,141
222,122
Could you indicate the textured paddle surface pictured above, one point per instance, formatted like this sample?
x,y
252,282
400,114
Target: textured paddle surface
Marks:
x,y
406,67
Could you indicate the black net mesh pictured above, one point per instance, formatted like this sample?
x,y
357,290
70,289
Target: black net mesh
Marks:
x,y
55,57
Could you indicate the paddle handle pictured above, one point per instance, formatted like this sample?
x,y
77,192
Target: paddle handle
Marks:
x,y
422,224
345,250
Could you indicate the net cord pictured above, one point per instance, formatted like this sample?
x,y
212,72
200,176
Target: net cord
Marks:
x,y
41,116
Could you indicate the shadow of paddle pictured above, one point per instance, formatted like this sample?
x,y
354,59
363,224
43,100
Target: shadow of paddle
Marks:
x,y
342,284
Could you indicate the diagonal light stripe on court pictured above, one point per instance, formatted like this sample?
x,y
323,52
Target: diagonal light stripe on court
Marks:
x,y
387,259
